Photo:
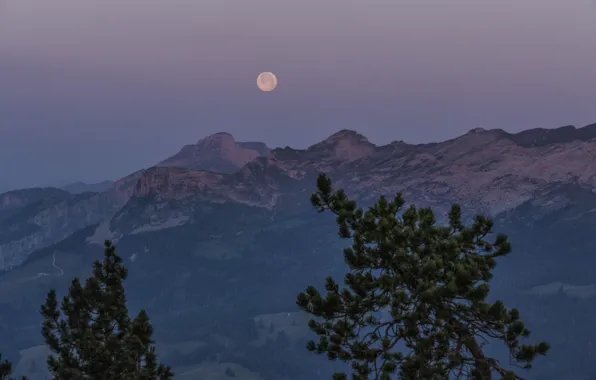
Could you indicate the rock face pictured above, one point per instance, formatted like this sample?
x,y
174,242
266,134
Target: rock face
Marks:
x,y
487,171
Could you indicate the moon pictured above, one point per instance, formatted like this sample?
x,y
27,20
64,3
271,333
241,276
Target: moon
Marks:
x,y
267,81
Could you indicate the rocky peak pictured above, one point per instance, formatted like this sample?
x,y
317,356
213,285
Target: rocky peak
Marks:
x,y
219,140
346,134
218,153
345,145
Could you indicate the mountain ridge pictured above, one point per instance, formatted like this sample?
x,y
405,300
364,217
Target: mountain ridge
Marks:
x,y
217,258
282,178
489,171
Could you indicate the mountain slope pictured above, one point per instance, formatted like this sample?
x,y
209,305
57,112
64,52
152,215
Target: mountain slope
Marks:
x,y
210,282
218,257
31,219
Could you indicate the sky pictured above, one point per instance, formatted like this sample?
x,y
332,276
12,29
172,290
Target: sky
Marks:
x,y
93,90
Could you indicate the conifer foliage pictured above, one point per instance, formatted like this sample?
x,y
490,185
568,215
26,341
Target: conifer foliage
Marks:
x,y
91,335
6,370
414,302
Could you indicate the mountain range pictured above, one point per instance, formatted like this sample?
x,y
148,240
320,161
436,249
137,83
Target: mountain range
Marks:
x,y
215,240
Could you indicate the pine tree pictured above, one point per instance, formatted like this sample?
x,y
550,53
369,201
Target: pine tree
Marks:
x,y
91,335
6,370
414,302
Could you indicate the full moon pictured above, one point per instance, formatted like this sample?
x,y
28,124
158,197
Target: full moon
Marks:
x,y
267,81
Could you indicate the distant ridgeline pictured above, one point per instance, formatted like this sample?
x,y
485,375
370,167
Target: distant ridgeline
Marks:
x,y
220,238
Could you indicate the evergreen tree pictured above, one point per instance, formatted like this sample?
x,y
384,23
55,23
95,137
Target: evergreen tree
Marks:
x,y
414,302
91,335
6,370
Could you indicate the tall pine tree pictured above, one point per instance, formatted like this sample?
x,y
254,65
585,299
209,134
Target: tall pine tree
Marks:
x,y
414,302
91,335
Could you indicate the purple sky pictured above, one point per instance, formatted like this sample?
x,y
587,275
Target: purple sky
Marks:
x,y
93,90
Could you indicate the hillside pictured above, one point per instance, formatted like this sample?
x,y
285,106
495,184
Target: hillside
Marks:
x,y
217,257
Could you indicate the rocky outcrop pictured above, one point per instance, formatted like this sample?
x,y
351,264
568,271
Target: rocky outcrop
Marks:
x,y
218,153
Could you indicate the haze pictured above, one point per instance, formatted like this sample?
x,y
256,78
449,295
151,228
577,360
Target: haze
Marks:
x,y
92,90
